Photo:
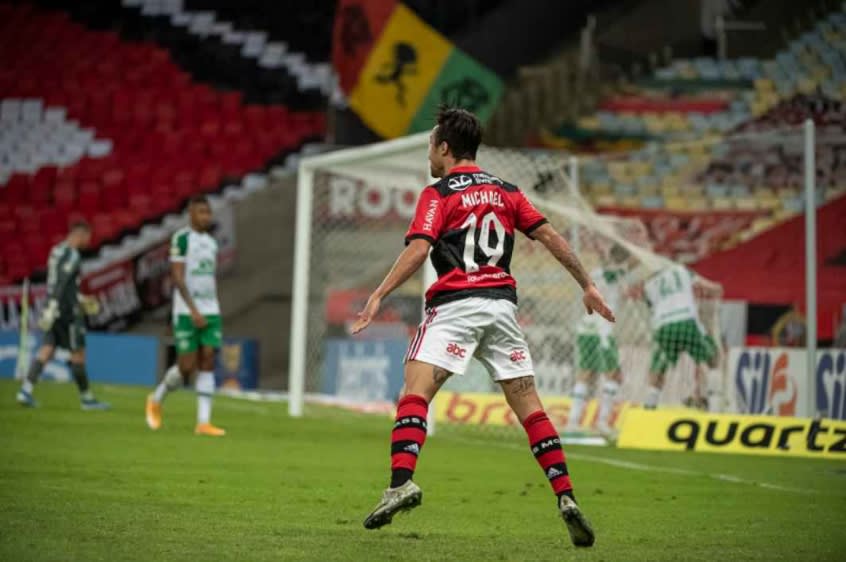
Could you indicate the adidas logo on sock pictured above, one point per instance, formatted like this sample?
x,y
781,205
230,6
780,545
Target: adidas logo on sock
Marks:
x,y
553,472
413,448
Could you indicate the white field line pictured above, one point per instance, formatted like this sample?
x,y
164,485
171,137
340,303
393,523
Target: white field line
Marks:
x,y
650,467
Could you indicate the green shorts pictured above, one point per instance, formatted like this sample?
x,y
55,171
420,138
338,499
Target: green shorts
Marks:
x,y
595,357
671,340
189,338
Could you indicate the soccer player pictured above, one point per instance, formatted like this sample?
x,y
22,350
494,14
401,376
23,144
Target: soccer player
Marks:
x,y
62,319
597,348
468,220
197,327
677,329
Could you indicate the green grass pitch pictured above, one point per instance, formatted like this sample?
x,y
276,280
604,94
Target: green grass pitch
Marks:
x,y
99,486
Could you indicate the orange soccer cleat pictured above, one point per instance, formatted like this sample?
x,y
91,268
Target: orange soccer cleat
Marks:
x,y
153,413
209,429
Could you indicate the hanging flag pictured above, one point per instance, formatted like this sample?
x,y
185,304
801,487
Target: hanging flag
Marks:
x,y
397,69
358,24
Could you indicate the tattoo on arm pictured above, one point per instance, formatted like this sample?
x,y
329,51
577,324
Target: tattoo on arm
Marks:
x,y
440,375
520,387
562,251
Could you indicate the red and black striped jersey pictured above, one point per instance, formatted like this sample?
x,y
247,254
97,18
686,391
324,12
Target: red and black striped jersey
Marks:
x,y
470,217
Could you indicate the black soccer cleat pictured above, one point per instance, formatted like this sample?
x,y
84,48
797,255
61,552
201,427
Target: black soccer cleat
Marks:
x,y
581,533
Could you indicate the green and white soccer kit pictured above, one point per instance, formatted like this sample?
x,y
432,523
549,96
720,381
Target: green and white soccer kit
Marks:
x,y
594,335
198,251
675,320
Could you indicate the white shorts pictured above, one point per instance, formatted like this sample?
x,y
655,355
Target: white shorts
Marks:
x,y
487,329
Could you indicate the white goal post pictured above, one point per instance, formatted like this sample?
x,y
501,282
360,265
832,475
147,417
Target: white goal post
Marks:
x,y
302,245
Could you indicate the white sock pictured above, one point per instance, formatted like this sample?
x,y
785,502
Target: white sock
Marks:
x,y
205,391
652,396
27,386
606,402
579,396
171,381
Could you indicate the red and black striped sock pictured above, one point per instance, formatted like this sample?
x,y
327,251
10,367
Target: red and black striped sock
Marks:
x,y
408,437
546,446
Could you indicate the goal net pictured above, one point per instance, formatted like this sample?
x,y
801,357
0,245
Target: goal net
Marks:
x,y
354,207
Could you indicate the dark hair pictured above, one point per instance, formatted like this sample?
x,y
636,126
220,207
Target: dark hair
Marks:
x,y
461,130
198,200
80,225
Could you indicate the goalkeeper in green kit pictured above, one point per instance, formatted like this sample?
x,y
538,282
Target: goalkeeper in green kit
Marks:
x,y
62,320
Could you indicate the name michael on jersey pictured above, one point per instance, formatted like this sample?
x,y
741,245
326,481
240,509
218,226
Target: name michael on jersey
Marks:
x,y
492,198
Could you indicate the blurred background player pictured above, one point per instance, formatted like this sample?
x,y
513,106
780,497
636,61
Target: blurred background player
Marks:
x,y
62,320
197,328
597,348
677,329
468,220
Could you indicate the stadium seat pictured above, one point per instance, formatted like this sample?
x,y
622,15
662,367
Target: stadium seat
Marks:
x,y
99,127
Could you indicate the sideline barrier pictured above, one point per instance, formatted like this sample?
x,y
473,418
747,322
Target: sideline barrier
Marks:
x,y
111,358
473,408
774,380
680,430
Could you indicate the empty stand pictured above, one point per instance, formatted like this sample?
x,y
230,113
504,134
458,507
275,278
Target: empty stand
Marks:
x,y
115,132
720,136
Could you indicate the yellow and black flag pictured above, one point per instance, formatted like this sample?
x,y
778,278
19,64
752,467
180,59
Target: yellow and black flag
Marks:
x,y
396,69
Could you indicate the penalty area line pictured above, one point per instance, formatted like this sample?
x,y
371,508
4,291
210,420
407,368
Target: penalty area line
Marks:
x,y
651,467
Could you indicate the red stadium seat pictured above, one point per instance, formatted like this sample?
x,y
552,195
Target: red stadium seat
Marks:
x,y
104,226
64,197
156,117
7,229
19,269
16,190
37,246
143,205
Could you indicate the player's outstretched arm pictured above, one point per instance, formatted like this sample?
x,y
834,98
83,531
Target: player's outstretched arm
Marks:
x,y
558,247
408,262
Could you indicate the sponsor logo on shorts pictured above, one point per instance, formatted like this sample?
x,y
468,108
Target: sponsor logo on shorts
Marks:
x,y
457,351
518,355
